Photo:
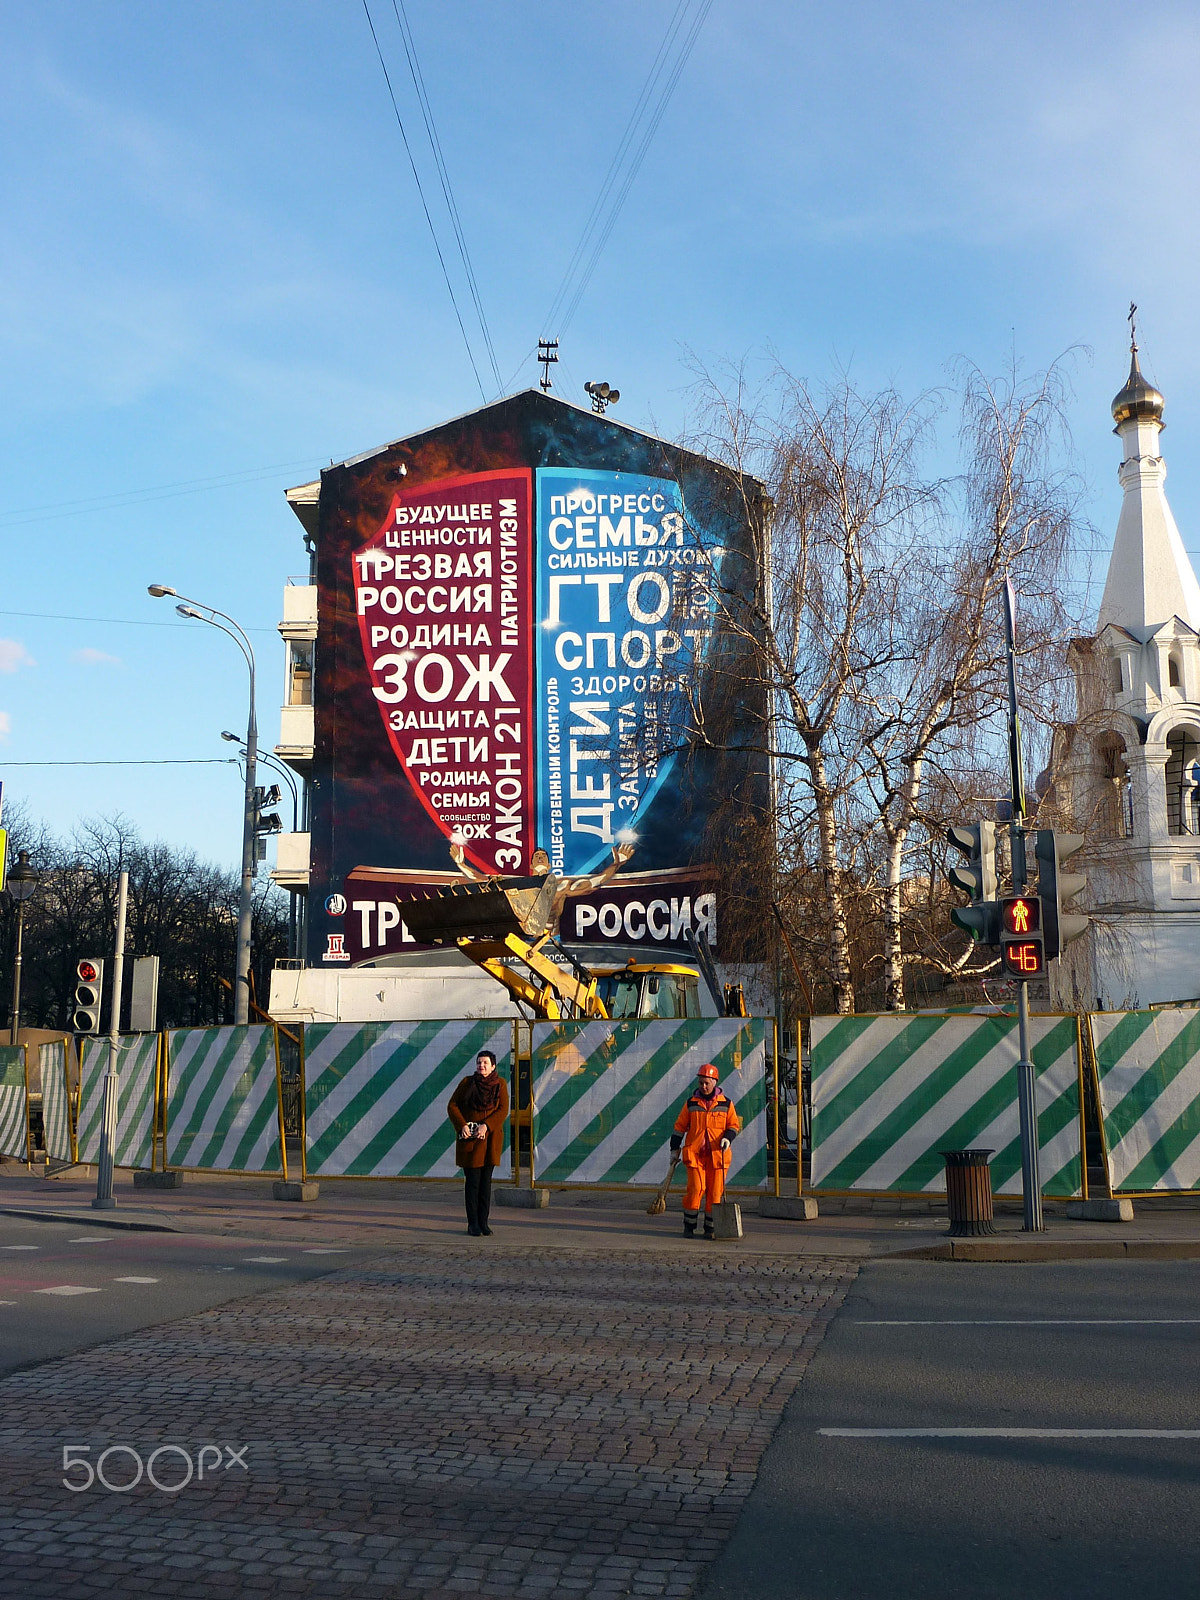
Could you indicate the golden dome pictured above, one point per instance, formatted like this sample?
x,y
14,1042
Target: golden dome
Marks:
x,y
1138,398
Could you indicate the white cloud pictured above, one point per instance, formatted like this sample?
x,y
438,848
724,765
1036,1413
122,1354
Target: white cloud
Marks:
x,y
5,725
13,654
90,657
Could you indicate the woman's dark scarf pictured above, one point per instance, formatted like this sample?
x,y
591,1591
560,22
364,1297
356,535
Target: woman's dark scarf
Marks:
x,y
481,1096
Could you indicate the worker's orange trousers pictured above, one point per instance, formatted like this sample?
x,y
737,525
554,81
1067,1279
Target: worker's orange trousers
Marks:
x,y
705,1182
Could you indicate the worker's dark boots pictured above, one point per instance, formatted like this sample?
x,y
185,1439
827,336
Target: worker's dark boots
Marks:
x,y
689,1226
708,1227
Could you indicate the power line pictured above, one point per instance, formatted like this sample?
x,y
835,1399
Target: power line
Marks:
x,y
417,179
435,144
615,164
676,72
644,119
171,761
124,622
57,509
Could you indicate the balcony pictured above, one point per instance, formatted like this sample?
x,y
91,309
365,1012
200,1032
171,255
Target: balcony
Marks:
x,y
299,609
296,735
291,860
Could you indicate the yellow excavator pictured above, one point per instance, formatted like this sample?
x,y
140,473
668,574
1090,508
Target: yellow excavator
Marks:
x,y
503,926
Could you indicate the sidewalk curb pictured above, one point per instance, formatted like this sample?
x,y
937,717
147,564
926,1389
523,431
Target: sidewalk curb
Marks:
x,y
1059,1250
94,1219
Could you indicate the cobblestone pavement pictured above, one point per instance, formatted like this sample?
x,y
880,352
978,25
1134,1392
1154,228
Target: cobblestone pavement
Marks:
x,y
437,1424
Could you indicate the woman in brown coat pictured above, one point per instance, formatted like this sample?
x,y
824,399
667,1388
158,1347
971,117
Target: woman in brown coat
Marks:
x,y
479,1109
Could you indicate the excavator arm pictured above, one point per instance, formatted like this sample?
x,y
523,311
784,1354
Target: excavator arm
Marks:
x,y
502,925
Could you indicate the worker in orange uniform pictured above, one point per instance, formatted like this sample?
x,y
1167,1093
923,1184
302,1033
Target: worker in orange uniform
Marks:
x,y
704,1129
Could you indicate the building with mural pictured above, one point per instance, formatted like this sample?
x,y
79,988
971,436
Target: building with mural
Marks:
x,y
494,653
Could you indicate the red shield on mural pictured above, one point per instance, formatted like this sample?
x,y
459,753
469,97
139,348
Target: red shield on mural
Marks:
x,y
443,594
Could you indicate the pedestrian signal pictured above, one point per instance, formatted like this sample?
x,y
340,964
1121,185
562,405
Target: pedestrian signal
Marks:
x,y
89,990
1024,958
1021,947
1022,914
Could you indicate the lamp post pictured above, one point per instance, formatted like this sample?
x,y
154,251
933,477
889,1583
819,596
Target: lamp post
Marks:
x,y
202,613
22,881
289,779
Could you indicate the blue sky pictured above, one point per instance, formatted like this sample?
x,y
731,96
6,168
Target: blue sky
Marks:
x,y
216,278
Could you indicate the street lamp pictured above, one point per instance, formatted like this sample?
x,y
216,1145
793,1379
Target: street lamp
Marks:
x,y
22,881
289,778
199,612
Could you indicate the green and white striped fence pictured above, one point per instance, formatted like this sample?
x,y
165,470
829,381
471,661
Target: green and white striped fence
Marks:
x,y
606,1095
375,1094
57,1121
14,1102
137,1100
222,1112
889,1093
1148,1067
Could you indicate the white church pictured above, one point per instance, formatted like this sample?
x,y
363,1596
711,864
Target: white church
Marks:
x,y
1127,773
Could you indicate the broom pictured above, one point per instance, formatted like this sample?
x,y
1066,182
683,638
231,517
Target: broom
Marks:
x,y
659,1204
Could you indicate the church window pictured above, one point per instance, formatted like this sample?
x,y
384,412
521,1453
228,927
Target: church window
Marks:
x,y
1182,775
1116,797
1118,675
1173,674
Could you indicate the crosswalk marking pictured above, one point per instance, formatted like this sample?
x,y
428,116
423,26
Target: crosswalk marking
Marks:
x,y
135,1280
1010,1433
67,1288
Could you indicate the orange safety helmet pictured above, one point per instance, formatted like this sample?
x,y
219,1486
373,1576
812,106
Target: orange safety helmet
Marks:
x,y
709,1071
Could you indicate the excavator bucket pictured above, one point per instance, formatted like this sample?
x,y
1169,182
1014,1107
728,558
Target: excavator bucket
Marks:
x,y
490,910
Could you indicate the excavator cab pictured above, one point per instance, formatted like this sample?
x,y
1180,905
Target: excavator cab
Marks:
x,y
650,991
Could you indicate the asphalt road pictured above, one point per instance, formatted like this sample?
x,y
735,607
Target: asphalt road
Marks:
x,y
64,1286
1097,1346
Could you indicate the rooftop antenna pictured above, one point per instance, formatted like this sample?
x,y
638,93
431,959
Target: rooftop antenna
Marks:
x,y
547,356
602,396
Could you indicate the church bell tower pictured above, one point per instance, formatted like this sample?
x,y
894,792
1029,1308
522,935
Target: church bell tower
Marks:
x,y
1128,771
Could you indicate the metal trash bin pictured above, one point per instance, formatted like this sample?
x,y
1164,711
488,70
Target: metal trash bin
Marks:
x,y
968,1192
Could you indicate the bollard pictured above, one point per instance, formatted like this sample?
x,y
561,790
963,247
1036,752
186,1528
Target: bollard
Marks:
x,y
968,1192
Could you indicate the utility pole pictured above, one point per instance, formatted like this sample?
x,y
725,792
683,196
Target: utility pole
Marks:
x,y
1031,1183
112,1078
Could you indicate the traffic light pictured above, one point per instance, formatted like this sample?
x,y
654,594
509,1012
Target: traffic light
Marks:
x,y
1056,887
976,877
89,990
1021,948
264,821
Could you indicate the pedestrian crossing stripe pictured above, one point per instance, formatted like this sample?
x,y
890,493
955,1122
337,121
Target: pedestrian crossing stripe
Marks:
x,y
14,1102
56,1101
890,1093
375,1094
1148,1067
606,1095
137,1098
222,1110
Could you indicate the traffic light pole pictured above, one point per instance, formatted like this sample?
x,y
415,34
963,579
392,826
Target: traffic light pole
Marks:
x,y
112,1078
1031,1182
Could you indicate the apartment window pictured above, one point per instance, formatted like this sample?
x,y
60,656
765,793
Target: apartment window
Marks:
x,y
300,688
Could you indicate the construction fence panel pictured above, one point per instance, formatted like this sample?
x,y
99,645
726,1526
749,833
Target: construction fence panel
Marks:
x,y
137,1099
57,1120
222,1112
375,1094
606,1095
14,1102
890,1093
1148,1072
